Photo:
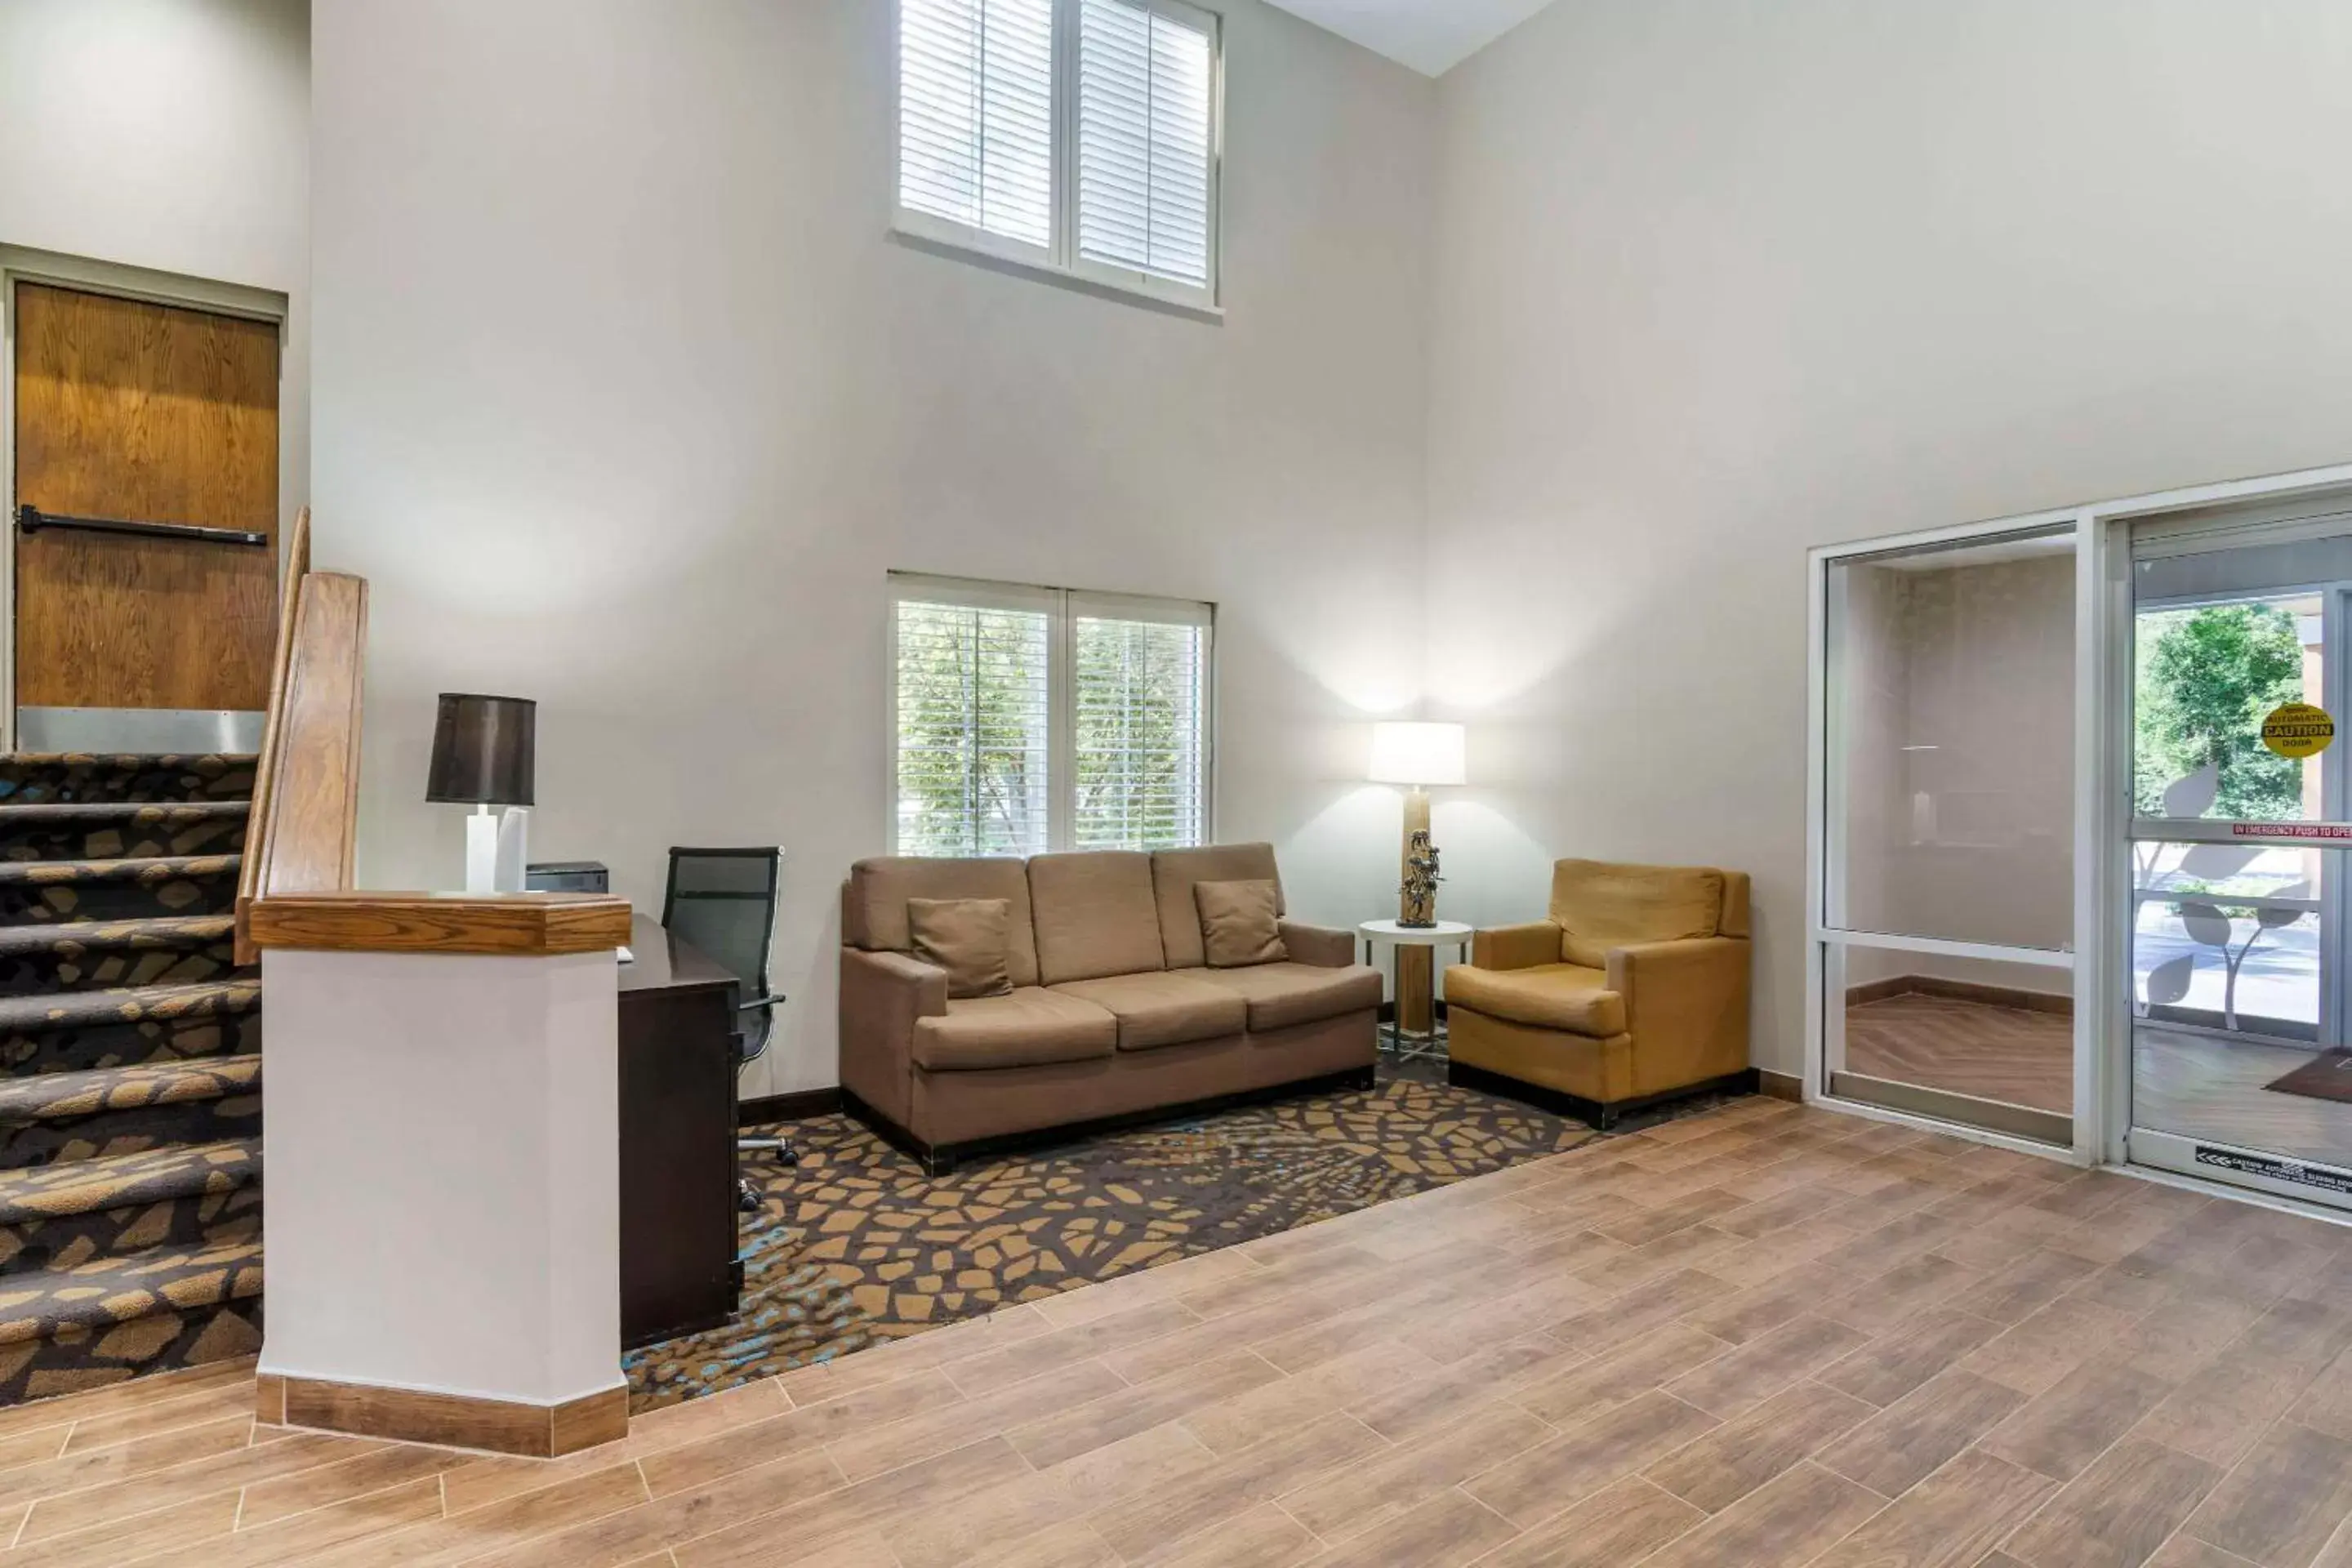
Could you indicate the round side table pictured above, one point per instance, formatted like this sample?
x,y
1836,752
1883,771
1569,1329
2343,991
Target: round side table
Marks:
x,y
1409,1043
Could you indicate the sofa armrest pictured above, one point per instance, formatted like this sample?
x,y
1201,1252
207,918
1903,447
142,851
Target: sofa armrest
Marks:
x,y
1685,1006
1515,947
1319,945
882,994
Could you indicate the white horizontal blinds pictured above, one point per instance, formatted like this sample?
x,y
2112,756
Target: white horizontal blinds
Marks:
x,y
976,114
1147,109
974,694
1141,704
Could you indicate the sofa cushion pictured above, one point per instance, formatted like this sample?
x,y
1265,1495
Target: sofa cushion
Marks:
x,y
1238,923
1021,1029
966,937
1565,996
874,903
1173,872
1095,915
1599,905
1160,1009
1281,994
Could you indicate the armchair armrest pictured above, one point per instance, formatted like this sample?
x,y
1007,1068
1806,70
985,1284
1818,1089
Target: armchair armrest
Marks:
x,y
1685,1006
1319,945
882,994
1515,947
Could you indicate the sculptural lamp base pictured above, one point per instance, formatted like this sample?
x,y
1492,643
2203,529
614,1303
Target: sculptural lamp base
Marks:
x,y
496,850
1419,914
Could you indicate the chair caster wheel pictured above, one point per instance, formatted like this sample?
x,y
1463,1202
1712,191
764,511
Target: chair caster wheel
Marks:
x,y
788,1156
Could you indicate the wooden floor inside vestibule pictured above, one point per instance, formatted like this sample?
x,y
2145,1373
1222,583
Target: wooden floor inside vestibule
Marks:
x,y
1769,1334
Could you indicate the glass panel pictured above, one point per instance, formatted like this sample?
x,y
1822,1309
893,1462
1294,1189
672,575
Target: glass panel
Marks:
x,y
1988,1044
1951,732
2205,676
2226,938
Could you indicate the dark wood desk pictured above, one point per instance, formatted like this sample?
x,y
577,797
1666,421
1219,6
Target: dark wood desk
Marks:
x,y
677,1139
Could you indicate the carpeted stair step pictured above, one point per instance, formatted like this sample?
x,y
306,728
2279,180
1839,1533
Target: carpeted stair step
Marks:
x,y
78,1031
31,777
82,1326
54,891
188,1195
113,829
92,955
55,1118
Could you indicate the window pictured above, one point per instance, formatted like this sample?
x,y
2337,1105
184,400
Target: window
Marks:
x,y
1026,720
1080,136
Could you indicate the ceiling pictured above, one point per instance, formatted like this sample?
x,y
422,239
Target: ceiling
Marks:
x,y
1432,36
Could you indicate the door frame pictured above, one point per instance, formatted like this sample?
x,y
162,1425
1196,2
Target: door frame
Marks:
x,y
2103,765
20,264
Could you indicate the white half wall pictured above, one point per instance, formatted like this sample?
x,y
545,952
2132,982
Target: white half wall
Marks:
x,y
1718,283
174,135
628,403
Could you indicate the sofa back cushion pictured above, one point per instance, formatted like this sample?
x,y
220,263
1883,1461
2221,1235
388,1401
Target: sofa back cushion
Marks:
x,y
874,903
1598,905
1173,872
1095,915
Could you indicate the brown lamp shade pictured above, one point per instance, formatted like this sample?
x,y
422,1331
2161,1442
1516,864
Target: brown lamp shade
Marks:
x,y
483,750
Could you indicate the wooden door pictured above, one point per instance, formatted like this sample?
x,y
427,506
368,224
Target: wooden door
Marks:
x,y
152,413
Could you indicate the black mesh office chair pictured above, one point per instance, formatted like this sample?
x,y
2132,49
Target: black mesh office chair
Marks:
x,y
723,901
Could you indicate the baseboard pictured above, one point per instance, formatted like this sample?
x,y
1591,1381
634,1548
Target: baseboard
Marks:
x,y
1960,991
450,1420
790,1107
1785,1086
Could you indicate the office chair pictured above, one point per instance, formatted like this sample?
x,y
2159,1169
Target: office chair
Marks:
x,y
723,901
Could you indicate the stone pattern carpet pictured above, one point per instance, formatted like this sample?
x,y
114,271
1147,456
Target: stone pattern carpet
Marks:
x,y
856,1247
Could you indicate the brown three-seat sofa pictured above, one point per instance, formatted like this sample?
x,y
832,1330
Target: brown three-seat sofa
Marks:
x,y
1113,1011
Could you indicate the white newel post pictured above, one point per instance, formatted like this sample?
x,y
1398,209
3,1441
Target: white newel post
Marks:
x,y
443,1138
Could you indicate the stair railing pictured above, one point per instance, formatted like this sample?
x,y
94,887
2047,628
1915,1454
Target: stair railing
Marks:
x,y
306,786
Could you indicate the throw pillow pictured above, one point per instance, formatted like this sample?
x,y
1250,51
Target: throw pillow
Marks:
x,y
971,939
1238,925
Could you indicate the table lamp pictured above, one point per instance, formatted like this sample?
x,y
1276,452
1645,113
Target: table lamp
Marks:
x,y
483,755
1417,755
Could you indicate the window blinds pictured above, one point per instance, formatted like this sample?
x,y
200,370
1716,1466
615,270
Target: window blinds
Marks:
x,y
976,114
1141,704
1146,112
973,730
1027,720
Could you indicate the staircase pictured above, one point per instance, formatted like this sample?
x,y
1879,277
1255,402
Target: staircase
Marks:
x,y
130,1102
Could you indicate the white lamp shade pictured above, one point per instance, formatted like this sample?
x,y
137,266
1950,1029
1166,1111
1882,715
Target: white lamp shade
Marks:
x,y
1417,754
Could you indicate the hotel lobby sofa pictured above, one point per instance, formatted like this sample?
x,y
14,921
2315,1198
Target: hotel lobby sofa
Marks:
x,y
1112,1010
1634,989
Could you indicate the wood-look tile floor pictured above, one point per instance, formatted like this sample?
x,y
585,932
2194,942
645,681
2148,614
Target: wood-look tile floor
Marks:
x,y
1766,1336
2008,1053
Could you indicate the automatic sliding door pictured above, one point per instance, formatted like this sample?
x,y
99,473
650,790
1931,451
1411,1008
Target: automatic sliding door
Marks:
x,y
2238,1005
1947,927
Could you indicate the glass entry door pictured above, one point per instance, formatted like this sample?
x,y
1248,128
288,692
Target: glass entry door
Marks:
x,y
1946,920
2238,833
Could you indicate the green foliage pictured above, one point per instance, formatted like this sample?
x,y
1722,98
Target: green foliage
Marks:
x,y
2207,677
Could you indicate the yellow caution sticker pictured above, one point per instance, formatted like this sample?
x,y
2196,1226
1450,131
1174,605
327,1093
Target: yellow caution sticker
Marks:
x,y
2298,730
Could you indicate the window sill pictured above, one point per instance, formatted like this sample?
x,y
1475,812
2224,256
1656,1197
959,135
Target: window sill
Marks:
x,y
916,234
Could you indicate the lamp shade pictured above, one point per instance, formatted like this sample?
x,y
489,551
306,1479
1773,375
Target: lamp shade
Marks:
x,y
483,750
1417,754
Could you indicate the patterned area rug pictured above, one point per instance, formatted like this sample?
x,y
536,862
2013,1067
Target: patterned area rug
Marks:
x,y
857,1245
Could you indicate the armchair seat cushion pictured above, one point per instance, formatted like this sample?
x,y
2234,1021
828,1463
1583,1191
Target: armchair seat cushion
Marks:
x,y
1281,994
1565,996
1024,1027
1158,1009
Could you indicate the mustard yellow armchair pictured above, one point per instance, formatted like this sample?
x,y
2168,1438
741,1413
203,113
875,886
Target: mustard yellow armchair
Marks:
x,y
1633,990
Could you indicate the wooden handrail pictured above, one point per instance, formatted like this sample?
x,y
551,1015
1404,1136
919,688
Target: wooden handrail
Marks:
x,y
306,786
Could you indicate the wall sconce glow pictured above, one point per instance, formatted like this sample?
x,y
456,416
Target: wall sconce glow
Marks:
x,y
1421,754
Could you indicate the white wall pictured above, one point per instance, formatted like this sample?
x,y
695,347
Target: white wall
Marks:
x,y
1715,283
626,404
168,134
